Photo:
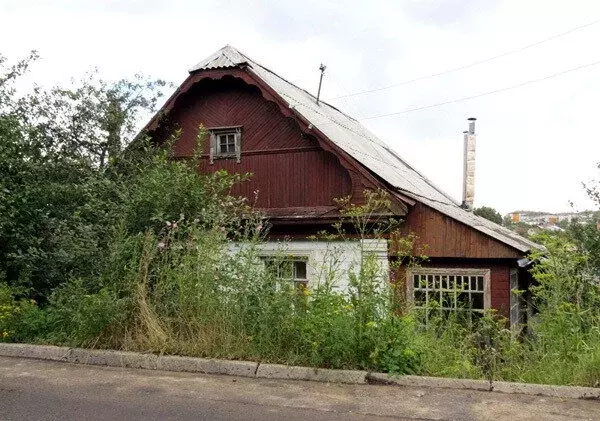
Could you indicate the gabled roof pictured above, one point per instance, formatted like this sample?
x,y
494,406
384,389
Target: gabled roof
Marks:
x,y
225,57
349,135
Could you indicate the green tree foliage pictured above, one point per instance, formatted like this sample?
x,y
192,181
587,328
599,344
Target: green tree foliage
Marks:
x,y
59,191
489,213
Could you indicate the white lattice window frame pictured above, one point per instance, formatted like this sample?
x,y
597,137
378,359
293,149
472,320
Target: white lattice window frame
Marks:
x,y
289,259
450,272
232,136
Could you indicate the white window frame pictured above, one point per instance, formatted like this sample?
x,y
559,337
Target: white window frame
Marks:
x,y
226,139
487,297
215,143
279,259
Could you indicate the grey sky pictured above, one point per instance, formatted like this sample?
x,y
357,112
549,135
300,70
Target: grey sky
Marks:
x,y
536,144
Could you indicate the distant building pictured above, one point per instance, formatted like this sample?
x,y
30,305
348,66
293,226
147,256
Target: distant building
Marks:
x,y
548,219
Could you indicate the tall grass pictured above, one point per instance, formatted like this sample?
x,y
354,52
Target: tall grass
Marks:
x,y
175,284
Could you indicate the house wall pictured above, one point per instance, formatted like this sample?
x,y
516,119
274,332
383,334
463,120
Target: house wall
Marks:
x,y
450,244
441,236
288,167
329,259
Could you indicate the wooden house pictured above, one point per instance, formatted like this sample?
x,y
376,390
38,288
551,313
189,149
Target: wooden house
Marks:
x,y
303,154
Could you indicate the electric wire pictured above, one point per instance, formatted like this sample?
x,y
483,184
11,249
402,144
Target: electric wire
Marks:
x,y
507,88
476,63
294,102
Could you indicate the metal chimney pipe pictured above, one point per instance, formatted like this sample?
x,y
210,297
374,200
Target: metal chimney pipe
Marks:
x,y
469,166
472,125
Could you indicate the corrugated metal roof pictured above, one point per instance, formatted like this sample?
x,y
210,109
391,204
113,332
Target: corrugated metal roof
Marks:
x,y
224,58
365,147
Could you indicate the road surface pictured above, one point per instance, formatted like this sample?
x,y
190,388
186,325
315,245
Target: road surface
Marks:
x,y
46,390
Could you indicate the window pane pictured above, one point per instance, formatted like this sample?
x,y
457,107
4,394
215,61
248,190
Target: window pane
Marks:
x,y
269,265
226,143
473,283
462,299
300,270
447,300
477,301
434,299
462,283
416,282
430,281
420,298
286,270
480,283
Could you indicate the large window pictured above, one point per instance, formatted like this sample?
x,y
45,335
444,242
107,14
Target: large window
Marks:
x,y
291,270
443,291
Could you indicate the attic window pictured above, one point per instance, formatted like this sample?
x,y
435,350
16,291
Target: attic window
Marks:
x,y
225,143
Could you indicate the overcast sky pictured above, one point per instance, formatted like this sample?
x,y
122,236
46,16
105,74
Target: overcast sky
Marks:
x,y
536,143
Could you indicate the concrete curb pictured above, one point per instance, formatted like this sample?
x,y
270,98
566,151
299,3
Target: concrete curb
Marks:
x,y
422,381
276,371
569,392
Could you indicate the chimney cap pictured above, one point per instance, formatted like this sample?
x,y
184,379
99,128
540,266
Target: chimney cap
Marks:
x,y
471,119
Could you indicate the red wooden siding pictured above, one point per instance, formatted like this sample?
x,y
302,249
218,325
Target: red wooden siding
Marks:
x,y
289,167
292,169
443,236
291,179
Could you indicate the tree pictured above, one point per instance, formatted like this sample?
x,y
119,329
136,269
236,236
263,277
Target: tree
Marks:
x,y
489,213
60,193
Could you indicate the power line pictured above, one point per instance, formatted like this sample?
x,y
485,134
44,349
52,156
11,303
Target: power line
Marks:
x,y
476,63
483,93
362,135
409,110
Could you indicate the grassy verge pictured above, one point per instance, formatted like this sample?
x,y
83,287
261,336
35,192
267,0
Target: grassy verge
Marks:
x,y
185,292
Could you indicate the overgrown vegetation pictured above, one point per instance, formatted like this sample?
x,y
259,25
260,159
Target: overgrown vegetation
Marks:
x,y
489,213
104,247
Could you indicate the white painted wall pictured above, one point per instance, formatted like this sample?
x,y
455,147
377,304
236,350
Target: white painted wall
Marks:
x,y
327,257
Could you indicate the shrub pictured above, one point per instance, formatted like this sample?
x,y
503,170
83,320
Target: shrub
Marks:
x,y
20,319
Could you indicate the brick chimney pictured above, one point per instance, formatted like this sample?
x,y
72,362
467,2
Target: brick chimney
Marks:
x,y
469,166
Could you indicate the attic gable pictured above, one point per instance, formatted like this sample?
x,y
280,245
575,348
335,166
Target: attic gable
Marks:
x,y
349,136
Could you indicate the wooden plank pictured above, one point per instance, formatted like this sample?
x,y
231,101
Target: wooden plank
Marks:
x,y
446,237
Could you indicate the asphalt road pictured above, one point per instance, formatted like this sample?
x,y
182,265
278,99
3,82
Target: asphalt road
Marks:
x,y
43,390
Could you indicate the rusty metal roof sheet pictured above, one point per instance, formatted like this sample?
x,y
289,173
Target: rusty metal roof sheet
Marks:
x,y
365,147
